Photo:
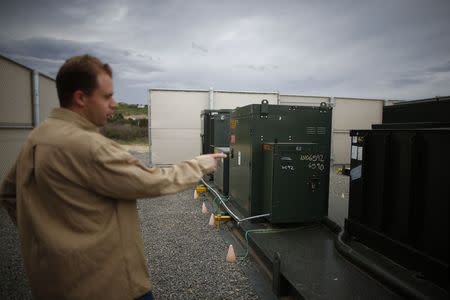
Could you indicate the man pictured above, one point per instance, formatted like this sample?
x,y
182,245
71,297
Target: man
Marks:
x,y
72,193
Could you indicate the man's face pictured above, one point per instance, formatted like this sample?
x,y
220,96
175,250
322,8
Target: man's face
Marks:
x,y
100,104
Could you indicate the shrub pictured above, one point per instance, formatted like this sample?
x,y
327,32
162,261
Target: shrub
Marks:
x,y
124,132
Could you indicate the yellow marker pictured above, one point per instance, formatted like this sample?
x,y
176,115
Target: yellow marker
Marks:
x,y
220,218
200,189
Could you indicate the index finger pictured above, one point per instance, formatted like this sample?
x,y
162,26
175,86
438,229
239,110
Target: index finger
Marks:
x,y
218,155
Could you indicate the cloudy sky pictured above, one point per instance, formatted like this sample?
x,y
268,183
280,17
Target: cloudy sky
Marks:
x,y
391,49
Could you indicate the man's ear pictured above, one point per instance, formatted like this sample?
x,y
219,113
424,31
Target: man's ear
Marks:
x,y
79,98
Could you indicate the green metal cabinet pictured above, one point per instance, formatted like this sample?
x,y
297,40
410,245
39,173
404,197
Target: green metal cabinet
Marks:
x,y
221,128
215,129
295,181
222,172
253,125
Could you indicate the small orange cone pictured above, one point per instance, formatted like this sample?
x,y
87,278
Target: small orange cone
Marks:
x,y
195,194
212,221
231,256
204,209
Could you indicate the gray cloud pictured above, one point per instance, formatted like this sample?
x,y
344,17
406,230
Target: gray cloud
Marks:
x,y
401,82
39,51
444,68
376,49
260,68
199,48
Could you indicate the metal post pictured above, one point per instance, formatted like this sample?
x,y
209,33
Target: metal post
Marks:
x,y
35,98
332,156
211,98
149,116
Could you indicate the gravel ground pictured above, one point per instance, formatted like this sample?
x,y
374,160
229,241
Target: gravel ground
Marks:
x,y
186,257
13,282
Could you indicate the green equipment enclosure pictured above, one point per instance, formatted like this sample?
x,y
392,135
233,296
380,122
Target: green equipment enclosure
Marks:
x,y
295,184
215,129
222,172
252,126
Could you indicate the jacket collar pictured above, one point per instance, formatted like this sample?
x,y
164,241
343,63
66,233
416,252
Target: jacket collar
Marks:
x,y
72,117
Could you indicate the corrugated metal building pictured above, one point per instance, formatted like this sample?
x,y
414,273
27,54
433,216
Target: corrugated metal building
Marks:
x,y
26,98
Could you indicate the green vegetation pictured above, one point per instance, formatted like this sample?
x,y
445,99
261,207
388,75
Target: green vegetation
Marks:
x,y
128,125
126,133
136,141
131,109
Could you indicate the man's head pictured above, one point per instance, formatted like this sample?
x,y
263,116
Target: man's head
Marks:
x,y
84,85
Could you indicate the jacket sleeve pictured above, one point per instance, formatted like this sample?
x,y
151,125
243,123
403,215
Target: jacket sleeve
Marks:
x,y
117,174
8,194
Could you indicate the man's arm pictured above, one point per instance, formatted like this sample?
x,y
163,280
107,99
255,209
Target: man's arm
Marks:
x,y
8,194
117,174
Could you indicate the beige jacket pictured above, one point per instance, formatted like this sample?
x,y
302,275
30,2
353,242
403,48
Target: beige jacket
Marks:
x,y
72,194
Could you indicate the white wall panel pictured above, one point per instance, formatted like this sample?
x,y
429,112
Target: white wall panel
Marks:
x,y
11,141
175,124
231,100
351,113
341,147
302,100
48,97
177,109
16,103
170,146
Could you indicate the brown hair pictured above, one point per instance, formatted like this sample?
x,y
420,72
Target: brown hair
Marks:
x,y
79,73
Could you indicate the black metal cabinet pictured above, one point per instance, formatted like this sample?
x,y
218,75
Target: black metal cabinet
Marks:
x,y
399,194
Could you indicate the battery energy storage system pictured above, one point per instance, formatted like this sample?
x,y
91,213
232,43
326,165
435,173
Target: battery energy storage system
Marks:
x,y
281,128
222,173
295,182
215,129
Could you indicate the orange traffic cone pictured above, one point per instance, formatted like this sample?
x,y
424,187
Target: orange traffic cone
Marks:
x,y
195,194
231,256
204,209
212,221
